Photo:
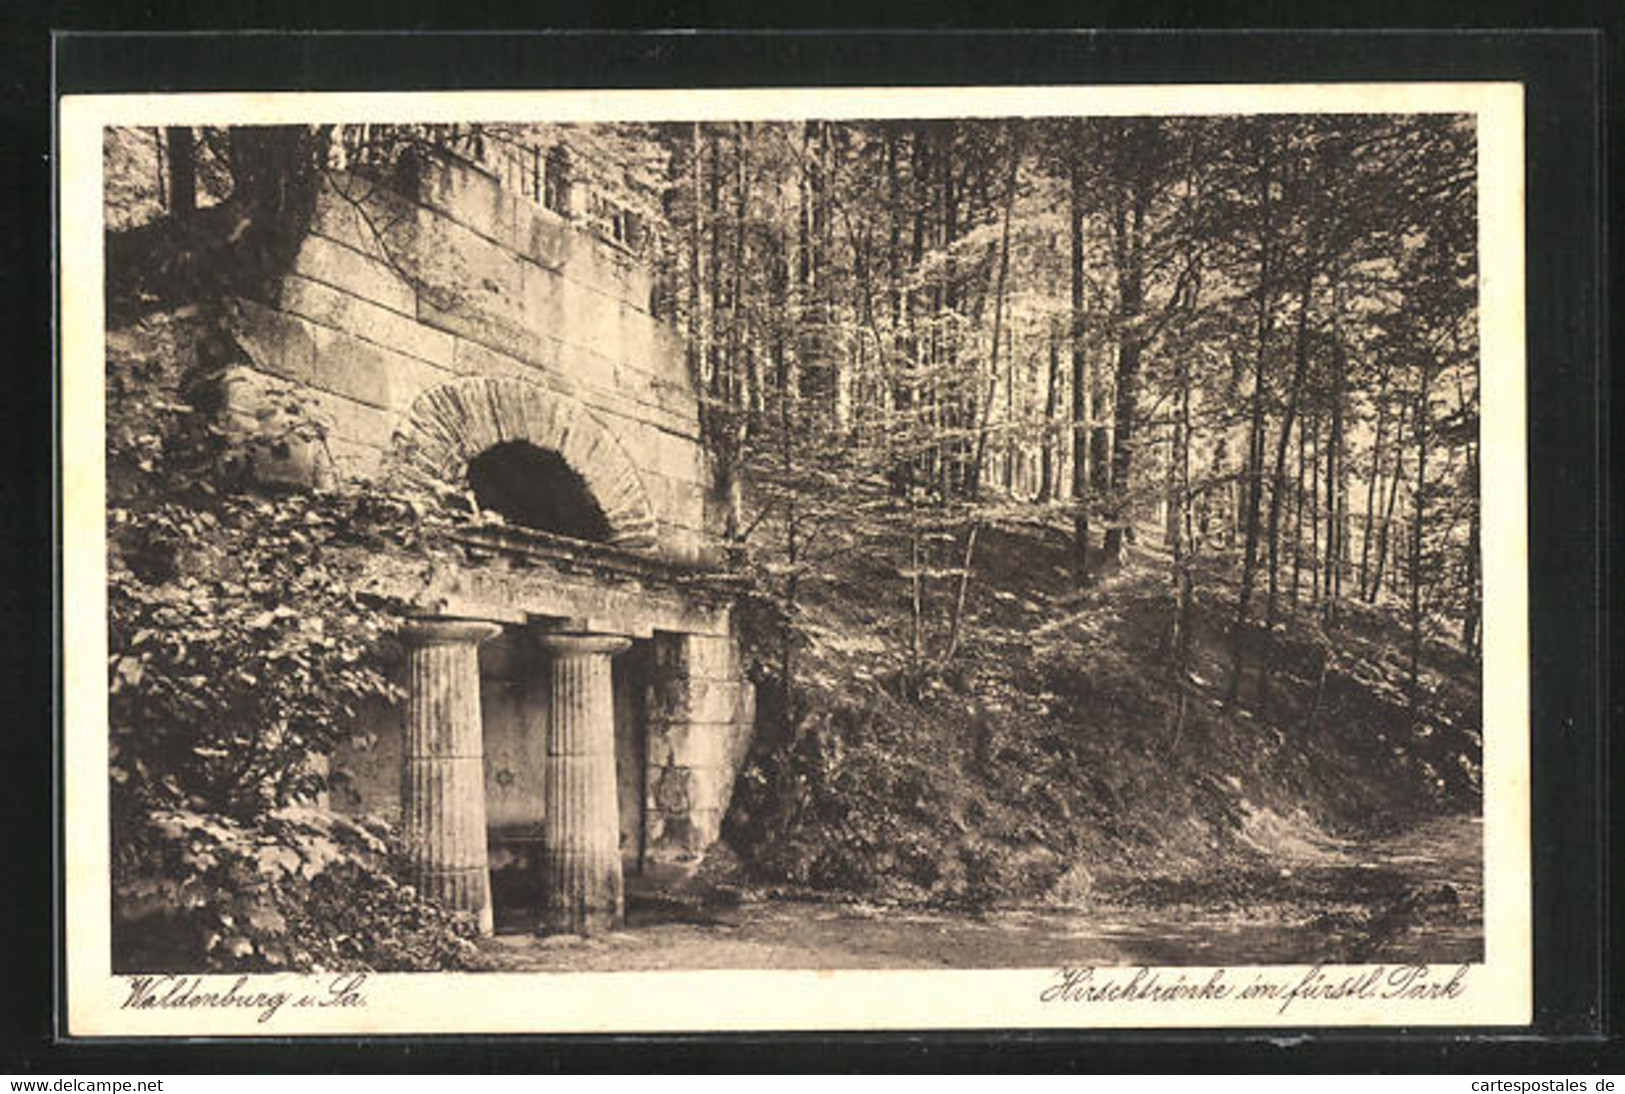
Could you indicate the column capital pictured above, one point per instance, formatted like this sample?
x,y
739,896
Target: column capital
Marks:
x,y
581,643
441,631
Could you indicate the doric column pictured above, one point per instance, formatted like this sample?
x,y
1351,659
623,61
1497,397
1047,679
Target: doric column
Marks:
x,y
443,781
581,855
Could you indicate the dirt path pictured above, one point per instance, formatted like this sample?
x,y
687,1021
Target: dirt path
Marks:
x,y
1417,896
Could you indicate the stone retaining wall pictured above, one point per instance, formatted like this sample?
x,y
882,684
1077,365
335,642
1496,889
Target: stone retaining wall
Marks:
x,y
390,296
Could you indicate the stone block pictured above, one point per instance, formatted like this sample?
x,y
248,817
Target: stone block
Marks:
x,y
621,416
471,197
639,280
342,311
672,406
354,437
682,503
606,268
276,343
668,356
688,547
689,744
663,418
471,358
543,299
354,462
638,337
484,330
544,237
594,372
707,757
361,214
276,456
593,323
320,259
679,457
678,698
710,657
348,366
457,269
410,377
345,419
676,821
741,733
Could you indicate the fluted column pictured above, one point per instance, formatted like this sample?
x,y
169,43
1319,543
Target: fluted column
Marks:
x,y
581,855
443,778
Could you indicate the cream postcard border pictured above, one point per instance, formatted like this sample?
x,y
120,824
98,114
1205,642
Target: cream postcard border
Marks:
x,y
1498,992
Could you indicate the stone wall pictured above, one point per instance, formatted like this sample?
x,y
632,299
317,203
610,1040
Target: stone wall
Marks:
x,y
391,296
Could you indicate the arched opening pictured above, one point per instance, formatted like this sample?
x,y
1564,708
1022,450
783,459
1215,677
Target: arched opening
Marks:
x,y
534,488
470,419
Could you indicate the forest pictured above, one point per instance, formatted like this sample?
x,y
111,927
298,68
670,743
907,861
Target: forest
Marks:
x,y
1108,489
1259,333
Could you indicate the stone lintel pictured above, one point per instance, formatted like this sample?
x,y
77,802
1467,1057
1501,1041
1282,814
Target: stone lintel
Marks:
x,y
564,626
528,590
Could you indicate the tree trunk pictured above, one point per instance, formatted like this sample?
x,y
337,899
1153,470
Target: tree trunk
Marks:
x,y
1131,307
1335,475
998,313
1052,392
1387,523
182,173
698,340
1255,434
1082,389
1297,519
1315,452
1372,487
1420,430
1300,371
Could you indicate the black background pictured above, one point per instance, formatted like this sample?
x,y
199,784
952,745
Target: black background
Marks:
x,y
1571,434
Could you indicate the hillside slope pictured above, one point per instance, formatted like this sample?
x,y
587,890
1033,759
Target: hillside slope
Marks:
x,y
1046,762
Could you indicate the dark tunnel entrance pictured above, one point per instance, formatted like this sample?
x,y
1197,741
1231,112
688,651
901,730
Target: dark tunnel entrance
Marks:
x,y
534,488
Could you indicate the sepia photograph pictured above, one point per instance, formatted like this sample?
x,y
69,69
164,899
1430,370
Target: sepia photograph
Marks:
x,y
1065,544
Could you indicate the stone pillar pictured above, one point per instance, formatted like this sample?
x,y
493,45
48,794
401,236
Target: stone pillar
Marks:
x,y
443,777
581,856
700,715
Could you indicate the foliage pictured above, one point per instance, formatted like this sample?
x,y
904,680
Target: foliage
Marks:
x,y
239,655
240,651
296,889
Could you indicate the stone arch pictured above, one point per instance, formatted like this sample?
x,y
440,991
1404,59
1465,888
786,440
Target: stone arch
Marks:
x,y
451,424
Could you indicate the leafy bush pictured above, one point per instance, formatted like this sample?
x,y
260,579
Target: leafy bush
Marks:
x,y
239,656
238,650
298,889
